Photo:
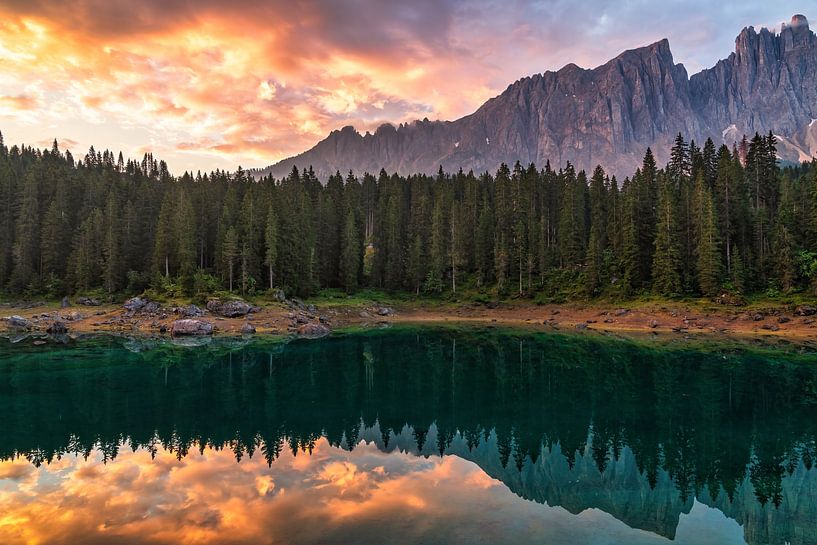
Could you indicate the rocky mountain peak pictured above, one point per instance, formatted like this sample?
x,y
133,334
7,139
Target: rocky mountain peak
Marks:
x,y
607,115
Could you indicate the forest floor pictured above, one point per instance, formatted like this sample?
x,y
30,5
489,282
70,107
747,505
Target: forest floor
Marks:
x,y
664,318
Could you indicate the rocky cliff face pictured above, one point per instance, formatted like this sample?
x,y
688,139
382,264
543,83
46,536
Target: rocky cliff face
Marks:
x,y
608,115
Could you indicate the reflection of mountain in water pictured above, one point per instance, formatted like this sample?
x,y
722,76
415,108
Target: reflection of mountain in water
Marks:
x,y
578,422
623,491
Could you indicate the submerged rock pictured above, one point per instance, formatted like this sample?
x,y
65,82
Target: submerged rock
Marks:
x,y
190,327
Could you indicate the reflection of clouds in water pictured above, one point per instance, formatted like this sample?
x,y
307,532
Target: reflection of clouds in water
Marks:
x,y
332,496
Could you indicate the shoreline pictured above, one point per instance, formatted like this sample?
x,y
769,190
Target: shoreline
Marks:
x,y
678,321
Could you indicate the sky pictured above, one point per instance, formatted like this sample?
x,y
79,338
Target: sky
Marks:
x,y
218,84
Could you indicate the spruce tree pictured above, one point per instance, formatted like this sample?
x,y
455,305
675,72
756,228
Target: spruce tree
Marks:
x,y
667,257
708,266
350,258
229,254
271,245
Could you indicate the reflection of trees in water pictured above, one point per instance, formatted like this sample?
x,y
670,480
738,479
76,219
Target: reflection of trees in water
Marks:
x,y
707,419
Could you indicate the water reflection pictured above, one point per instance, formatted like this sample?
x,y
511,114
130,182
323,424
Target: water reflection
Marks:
x,y
331,496
341,440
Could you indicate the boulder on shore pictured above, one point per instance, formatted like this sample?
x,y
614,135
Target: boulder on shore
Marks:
x,y
190,311
88,302
229,309
135,304
313,331
189,327
18,322
248,329
805,310
57,328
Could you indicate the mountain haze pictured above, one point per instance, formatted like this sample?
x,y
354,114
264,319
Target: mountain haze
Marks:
x,y
608,115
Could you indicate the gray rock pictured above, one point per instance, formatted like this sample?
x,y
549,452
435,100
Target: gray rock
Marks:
x,y
313,331
805,310
135,304
581,326
654,324
247,329
191,311
88,302
19,323
279,296
384,311
229,309
57,328
65,303
191,327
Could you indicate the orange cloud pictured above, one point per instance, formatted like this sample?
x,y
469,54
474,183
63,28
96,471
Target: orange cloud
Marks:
x,y
254,84
20,102
258,81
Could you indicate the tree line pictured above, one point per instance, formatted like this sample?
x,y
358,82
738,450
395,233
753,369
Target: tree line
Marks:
x,y
713,220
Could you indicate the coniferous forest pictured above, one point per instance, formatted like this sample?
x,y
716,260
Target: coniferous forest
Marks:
x,y
711,221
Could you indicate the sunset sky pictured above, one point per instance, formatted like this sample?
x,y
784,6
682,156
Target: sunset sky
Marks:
x,y
214,84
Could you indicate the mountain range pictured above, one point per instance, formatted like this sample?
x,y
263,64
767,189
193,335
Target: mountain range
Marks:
x,y
607,115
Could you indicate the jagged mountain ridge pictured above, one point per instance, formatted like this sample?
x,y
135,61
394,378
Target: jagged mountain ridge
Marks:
x,y
608,115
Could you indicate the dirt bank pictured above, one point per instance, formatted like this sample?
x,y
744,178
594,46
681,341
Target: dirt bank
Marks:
x,y
283,319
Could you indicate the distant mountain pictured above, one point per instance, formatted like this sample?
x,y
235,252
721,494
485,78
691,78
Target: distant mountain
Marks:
x,y
608,115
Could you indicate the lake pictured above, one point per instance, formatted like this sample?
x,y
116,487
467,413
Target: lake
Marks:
x,y
414,435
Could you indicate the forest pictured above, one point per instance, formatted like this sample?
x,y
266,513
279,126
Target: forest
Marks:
x,y
711,221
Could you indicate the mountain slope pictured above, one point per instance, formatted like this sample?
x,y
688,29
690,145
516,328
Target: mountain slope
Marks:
x,y
608,115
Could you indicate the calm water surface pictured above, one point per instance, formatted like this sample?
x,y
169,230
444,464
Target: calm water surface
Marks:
x,y
407,436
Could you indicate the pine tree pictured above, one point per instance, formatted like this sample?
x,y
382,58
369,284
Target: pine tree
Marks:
x,y
630,263
598,231
164,244
26,248
350,258
434,279
812,224
708,264
784,257
666,261
112,252
54,241
186,240
230,253
572,219
271,245
87,256
484,245
737,275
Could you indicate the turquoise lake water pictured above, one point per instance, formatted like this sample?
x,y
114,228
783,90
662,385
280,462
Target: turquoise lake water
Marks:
x,y
419,435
